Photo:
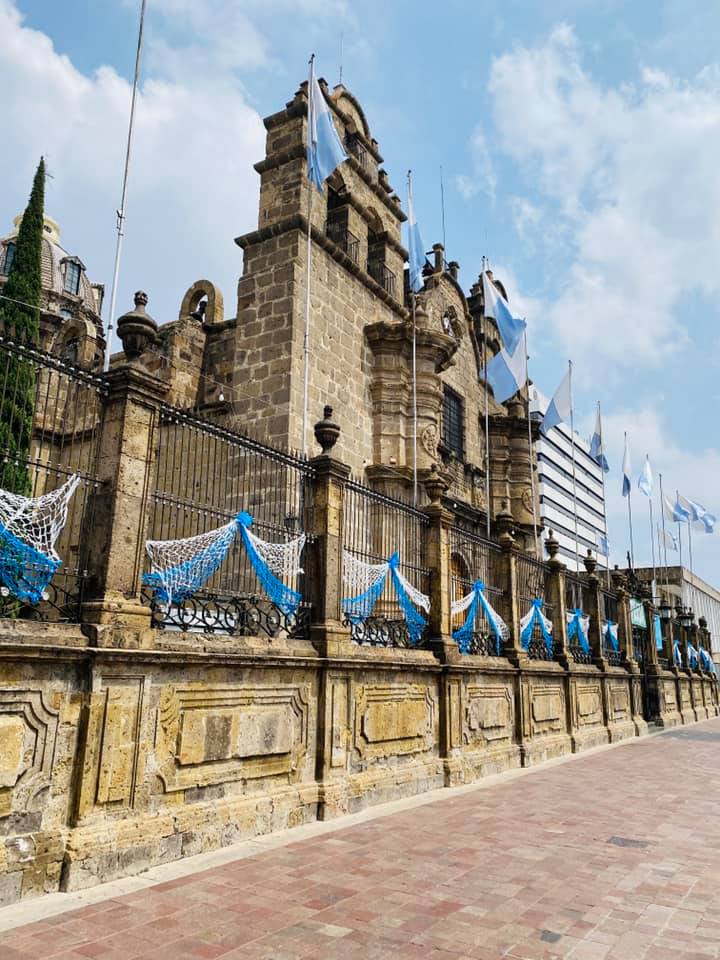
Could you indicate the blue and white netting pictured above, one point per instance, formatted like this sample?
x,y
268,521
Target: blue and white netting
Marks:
x,y
180,567
365,582
477,605
536,618
610,634
707,661
578,626
692,656
677,653
29,528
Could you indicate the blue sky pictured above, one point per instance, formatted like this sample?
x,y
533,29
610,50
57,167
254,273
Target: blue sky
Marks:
x,y
578,141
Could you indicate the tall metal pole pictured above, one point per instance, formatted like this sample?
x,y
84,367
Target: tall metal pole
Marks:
x,y
602,477
662,514
308,272
123,200
487,415
532,451
629,496
414,399
574,477
652,543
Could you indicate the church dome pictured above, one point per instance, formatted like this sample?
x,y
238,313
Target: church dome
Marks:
x,y
64,281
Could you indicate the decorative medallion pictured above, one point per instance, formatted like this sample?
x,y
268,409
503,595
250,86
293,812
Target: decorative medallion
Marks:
x,y
429,440
526,498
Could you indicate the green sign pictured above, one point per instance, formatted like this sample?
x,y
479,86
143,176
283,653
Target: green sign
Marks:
x,y
637,613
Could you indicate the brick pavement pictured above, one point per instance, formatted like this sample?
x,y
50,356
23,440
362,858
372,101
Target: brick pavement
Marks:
x,y
613,856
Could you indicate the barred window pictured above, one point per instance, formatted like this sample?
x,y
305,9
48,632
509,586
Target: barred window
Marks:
x,y
72,277
9,257
452,423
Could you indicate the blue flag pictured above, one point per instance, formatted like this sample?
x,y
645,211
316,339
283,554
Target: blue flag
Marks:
x,y
416,260
506,374
603,547
674,512
496,306
596,447
627,483
560,406
645,481
324,150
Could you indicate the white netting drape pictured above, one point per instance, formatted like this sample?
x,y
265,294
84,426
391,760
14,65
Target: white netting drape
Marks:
x,y
358,576
282,558
37,521
535,613
180,567
419,599
461,605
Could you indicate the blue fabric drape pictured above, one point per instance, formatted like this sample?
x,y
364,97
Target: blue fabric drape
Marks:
x,y
25,571
464,633
536,620
575,629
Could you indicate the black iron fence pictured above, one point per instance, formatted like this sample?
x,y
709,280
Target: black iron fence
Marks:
x,y
50,420
205,476
472,559
375,527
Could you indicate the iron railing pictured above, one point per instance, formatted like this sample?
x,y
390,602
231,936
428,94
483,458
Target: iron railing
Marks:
x,y
50,418
532,576
473,558
384,276
338,232
205,475
374,527
357,149
639,642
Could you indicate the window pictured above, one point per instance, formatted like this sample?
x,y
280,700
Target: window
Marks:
x,y
72,277
71,351
452,423
9,257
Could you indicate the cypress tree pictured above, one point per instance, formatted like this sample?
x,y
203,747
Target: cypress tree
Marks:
x,y
20,319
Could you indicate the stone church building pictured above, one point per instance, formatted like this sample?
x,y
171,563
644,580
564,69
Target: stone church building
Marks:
x,y
246,371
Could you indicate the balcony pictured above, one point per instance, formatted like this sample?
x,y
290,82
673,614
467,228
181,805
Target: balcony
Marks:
x,y
338,232
357,150
380,273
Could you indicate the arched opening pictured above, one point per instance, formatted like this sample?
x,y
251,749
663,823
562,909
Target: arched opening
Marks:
x,y
377,245
337,226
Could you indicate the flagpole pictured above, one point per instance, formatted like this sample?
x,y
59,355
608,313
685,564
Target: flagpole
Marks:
x,y
123,199
306,335
652,544
602,475
532,452
629,497
487,413
414,362
662,514
574,478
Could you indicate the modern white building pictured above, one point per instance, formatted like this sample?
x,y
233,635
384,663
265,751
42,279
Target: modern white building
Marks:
x,y
557,503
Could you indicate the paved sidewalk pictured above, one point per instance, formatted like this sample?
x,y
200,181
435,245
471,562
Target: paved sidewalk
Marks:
x,y
613,856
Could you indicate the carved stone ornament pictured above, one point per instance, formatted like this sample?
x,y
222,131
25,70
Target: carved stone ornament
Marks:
x,y
429,440
526,498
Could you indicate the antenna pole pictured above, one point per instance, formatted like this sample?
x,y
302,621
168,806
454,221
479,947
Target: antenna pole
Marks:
x,y
123,200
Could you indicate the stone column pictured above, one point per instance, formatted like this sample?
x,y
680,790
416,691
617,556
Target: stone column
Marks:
x,y
556,599
619,582
594,609
115,547
324,556
651,653
508,603
437,551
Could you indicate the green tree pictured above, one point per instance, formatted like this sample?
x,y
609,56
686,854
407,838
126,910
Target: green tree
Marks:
x,y
20,317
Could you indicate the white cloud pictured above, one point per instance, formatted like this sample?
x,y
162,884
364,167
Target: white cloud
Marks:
x,y
192,186
483,178
631,172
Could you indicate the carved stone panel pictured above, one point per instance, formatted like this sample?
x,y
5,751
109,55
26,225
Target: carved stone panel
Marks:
x,y
589,704
547,710
619,701
120,729
215,734
393,719
488,714
28,731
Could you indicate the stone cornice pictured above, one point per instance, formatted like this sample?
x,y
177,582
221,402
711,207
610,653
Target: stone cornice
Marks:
x,y
390,335
299,222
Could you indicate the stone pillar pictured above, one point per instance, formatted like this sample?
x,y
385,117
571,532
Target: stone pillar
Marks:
x,y
619,582
595,610
437,552
508,603
116,544
651,653
324,557
556,599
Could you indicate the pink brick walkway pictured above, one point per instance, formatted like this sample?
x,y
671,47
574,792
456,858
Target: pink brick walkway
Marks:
x,y
613,856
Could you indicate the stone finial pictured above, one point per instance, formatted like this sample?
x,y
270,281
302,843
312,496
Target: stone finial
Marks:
x,y
454,269
552,545
590,562
326,430
702,623
137,329
439,252
435,485
505,524
619,580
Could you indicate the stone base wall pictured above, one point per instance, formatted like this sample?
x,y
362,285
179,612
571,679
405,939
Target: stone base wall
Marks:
x,y
117,758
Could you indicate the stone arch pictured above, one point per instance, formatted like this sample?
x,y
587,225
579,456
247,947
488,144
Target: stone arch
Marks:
x,y
199,291
76,342
353,113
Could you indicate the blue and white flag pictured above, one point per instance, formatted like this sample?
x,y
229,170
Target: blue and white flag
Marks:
x,y
645,481
560,407
496,306
596,447
627,483
416,251
668,539
694,511
603,547
674,512
706,523
324,150
507,374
